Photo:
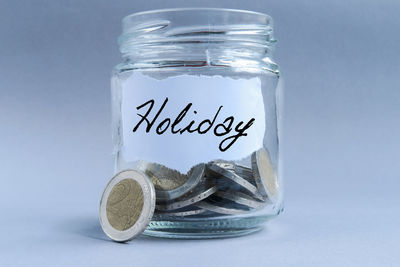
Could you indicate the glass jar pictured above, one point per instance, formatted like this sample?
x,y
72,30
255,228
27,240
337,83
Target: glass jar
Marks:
x,y
194,107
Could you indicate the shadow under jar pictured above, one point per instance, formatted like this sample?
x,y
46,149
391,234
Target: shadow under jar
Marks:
x,y
195,108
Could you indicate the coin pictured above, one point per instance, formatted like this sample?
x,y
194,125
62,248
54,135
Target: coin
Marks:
x,y
240,198
245,172
203,191
225,172
242,171
171,184
214,207
127,205
182,213
264,175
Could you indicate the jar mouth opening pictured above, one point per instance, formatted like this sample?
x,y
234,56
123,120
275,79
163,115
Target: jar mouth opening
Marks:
x,y
196,9
151,20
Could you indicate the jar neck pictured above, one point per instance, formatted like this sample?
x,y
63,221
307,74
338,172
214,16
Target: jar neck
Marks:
x,y
198,38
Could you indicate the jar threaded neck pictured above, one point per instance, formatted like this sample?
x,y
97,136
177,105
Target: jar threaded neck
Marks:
x,y
201,36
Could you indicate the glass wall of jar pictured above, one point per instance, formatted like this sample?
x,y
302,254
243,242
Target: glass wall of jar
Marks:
x,y
195,109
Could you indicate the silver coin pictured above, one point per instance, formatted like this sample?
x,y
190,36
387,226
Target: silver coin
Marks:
x,y
265,175
219,209
184,213
245,172
242,171
235,178
170,184
189,199
127,205
241,199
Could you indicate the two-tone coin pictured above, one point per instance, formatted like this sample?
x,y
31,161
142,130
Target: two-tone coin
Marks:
x,y
190,211
127,205
240,198
171,184
202,191
231,175
245,172
219,208
264,175
242,171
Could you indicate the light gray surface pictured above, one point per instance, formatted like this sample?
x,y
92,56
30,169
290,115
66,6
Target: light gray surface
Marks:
x,y
340,148
312,232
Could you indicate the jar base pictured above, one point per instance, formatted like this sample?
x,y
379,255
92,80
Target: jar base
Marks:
x,y
206,228
201,234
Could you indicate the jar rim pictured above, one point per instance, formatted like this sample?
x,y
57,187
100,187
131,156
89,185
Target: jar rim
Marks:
x,y
186,9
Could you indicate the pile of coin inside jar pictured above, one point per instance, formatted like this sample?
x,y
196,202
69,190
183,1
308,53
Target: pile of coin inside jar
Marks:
x,y
213,189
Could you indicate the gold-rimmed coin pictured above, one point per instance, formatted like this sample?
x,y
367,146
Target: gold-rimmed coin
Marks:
x,y
171,184
265,176
127,205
